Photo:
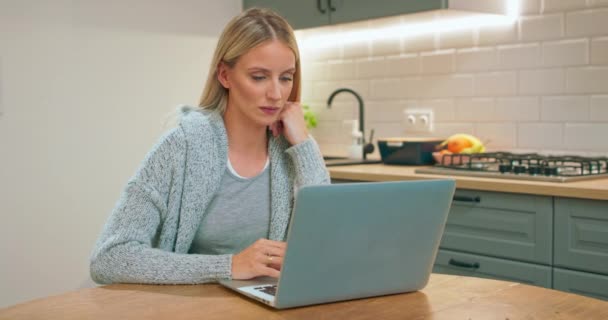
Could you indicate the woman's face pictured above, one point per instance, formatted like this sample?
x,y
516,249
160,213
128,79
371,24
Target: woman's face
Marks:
x,y
260,82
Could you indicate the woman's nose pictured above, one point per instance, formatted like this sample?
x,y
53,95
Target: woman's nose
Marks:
x,y
274,91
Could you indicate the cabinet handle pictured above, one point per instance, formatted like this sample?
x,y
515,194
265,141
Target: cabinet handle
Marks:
x,y
331,7
462,264
467,199
320,8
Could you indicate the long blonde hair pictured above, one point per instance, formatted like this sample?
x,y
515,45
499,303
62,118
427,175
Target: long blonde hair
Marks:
x,y
244,32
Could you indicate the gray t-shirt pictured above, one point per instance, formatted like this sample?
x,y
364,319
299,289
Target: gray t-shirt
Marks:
x,y
237,216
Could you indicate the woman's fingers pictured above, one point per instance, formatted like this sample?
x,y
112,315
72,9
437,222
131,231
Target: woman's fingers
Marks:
x,y
263,257
270,272
293,124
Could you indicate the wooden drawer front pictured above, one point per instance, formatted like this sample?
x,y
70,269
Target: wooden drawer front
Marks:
x,y
588,284
581,234
451,262
502,225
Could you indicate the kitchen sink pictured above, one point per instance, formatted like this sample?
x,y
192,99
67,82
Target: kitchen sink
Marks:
x,y
332,161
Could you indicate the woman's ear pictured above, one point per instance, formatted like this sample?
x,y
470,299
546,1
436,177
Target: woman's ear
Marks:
x,y
222,75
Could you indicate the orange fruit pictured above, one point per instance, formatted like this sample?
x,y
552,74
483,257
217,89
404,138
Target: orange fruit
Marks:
x,y
455,145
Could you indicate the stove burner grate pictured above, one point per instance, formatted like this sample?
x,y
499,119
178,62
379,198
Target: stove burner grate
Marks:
x,y
532,164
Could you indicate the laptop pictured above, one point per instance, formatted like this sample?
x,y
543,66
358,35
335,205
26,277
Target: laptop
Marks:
x,y
356,240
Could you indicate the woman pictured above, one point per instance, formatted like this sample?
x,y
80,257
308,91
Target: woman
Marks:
x,y
212,199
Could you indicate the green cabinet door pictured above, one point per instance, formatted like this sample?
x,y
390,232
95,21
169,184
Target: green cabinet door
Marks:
x,y
458,263
314,13
355,10
503,225
300,13
581,234
588,284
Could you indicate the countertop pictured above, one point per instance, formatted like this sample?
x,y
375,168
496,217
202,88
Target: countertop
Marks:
x,y
445,297
596,189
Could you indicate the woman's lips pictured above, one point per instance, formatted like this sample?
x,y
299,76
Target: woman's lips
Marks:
x,y
270,110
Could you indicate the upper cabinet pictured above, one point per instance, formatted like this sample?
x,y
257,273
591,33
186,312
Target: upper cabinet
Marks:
x,y
314,13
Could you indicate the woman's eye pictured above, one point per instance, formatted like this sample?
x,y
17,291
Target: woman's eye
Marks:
x,y
258,78
286,79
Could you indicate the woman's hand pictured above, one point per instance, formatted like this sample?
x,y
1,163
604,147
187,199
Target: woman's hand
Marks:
x,y
291,123
262,258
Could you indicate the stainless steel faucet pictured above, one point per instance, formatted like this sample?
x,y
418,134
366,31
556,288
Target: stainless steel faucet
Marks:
x,y
369,147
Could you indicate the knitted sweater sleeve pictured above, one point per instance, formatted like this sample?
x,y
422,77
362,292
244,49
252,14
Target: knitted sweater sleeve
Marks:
x,y
126,251
308,163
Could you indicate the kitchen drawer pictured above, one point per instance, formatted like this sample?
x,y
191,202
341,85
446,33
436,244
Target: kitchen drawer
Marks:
x,y
588,284
581,234
505,225
459,263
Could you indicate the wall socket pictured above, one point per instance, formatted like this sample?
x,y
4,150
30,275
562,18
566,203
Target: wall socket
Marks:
x,y
418,120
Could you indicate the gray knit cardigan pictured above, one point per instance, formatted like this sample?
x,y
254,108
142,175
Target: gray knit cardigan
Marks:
x,y
147,237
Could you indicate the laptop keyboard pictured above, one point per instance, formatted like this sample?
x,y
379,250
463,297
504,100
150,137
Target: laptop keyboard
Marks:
x,y
269,289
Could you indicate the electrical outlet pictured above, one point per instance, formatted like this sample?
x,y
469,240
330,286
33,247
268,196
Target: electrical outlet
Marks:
x,y
418,120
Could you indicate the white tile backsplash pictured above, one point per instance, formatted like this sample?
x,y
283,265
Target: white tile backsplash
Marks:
x,y
563,5
599,108
517,109
495,83
405,65
371,68
343,70
475,59
587,80
539,85
437,62
424,42
565,53
519,56
541,81
540,135
541,27
587,23
477,109
497,136
356,50
445,86
456,39
387,89
599,51
444,109
586,136
565,109
502,34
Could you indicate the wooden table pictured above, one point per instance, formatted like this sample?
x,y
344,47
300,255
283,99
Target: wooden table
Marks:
x,y
445,297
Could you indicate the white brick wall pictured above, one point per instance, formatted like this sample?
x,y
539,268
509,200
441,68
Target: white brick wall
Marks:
x,y
599,108
565,53
540,84
541,27
599,51
541,81
519,56
438,62
565,109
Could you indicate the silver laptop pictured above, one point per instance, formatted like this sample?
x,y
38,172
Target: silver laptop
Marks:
x,y
356,240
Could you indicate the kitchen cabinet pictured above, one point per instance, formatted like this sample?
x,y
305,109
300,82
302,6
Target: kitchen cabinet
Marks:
x,y
588,284
512,226
458,263
581,246
307,14
498,235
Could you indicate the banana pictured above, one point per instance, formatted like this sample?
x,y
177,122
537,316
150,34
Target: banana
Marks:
x,y
476,144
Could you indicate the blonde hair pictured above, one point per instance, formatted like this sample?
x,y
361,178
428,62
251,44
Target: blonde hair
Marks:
x,y
244,32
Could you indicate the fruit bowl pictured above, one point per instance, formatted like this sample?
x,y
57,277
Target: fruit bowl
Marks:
x,y
450,159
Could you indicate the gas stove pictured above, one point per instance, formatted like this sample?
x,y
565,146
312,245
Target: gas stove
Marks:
x,y
523,166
